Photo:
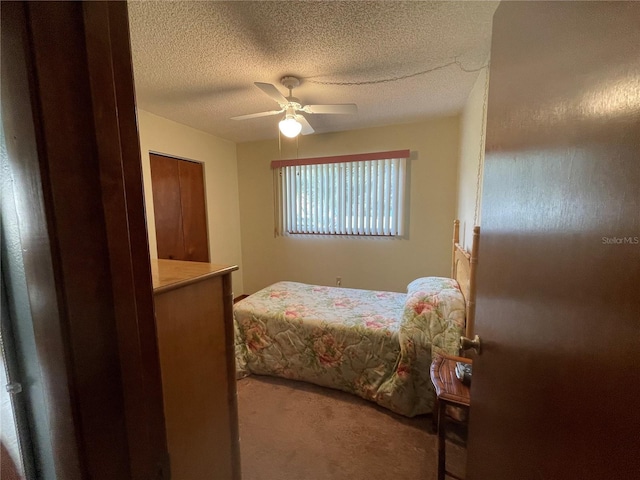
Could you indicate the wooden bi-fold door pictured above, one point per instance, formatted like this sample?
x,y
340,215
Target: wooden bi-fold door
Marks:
x,y
179,208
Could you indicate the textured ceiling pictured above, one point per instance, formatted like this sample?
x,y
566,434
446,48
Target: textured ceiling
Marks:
x,y
195,62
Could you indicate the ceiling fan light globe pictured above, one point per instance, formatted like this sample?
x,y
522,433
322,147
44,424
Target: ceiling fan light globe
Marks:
x,y
290,127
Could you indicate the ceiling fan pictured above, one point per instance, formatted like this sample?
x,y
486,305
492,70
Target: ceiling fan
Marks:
x,y
294,122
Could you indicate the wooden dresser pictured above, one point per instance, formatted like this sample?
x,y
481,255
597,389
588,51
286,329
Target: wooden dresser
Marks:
x,y
194,325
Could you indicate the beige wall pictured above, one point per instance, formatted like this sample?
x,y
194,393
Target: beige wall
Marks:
x,y
371,263
471,150
160,135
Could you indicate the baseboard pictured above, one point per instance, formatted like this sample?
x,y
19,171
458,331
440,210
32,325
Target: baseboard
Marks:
x,y
237,299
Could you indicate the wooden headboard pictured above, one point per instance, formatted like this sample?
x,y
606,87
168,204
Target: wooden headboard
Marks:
x,y
463,269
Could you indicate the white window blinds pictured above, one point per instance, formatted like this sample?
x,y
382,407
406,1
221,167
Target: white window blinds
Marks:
x,y
349,195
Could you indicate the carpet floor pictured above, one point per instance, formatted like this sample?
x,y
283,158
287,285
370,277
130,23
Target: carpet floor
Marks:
x,y
296,431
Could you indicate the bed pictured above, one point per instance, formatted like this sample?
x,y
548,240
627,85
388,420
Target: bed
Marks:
x,y
377,345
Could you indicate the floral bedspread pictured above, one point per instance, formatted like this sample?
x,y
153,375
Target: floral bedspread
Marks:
x,y
377,345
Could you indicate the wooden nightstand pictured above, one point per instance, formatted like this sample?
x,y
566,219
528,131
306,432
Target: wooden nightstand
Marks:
x,y
449,391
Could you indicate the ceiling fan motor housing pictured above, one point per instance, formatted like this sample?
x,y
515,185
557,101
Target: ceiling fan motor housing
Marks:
x,y
290,110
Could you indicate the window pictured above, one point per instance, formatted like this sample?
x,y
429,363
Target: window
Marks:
x,y
348,195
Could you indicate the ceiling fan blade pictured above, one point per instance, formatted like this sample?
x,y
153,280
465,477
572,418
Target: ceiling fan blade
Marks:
x,y
257,115
272,91
343,108
306,128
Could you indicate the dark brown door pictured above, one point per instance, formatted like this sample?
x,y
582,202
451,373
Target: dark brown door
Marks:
x,y
555,391
179,207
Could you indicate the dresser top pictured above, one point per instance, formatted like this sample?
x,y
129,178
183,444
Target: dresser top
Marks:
x,y
171,274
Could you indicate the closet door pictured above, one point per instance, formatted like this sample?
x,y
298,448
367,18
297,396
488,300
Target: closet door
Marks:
x,y
194,212
179,208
